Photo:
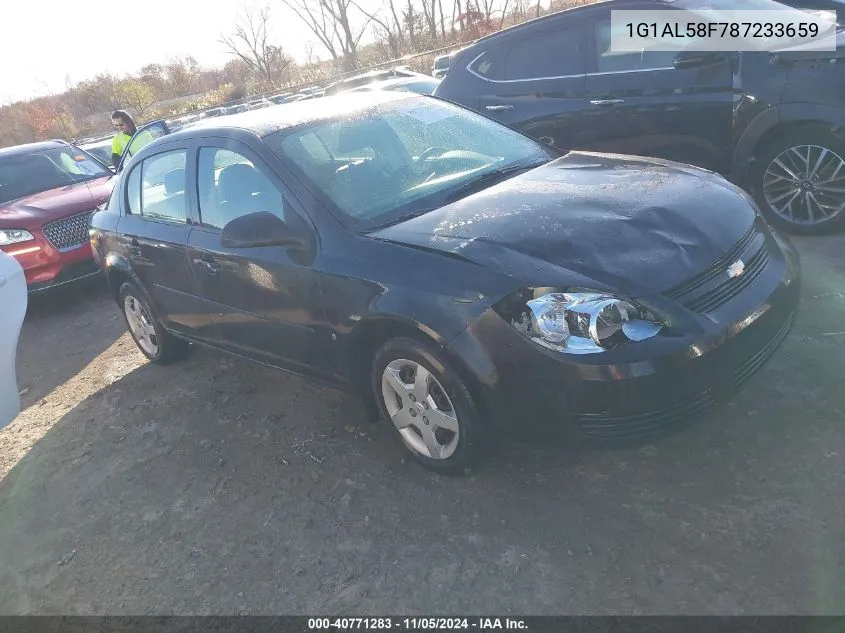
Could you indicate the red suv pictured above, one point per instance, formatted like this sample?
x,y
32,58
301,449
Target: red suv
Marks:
x,y
48,192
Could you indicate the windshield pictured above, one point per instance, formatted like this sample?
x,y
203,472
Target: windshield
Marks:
x,y
401,159
26,174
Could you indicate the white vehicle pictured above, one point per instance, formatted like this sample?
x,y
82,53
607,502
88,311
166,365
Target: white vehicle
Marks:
x,y
13,298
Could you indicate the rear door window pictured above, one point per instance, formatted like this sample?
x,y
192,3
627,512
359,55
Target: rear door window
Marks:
x,y
556,53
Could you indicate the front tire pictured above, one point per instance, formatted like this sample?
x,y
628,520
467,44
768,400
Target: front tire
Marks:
x,y
799,181
429,409
146,329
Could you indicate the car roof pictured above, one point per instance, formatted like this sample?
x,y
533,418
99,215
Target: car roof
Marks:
x,y
288,115
397,81
551,17
29,147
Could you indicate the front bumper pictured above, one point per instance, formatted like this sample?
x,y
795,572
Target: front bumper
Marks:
x,y
650,387
46,268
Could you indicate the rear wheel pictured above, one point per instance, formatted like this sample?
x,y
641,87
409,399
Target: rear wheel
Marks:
x,y
428,407
799,181
147,331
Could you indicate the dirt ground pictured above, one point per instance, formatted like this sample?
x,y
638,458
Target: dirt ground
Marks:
x,y
213,487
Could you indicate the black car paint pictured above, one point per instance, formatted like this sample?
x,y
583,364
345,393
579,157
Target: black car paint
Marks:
x,y
716,116
626,223
354,289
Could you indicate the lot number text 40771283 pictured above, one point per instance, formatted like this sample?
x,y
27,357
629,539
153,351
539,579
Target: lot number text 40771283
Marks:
x,y
416,624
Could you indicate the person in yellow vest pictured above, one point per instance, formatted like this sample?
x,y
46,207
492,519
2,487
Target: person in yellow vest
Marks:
x,y
125,126
126,130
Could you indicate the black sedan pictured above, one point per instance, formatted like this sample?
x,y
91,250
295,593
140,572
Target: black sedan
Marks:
x,y
466,279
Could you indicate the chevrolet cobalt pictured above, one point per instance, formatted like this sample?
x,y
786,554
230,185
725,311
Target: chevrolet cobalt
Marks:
x,y
464,278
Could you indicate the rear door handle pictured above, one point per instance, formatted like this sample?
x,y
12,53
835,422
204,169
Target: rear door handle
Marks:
x,y
606,102
210,267
499,108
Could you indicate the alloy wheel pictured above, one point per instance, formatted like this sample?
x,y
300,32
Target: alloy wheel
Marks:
x,y
420,409
140,325
805,184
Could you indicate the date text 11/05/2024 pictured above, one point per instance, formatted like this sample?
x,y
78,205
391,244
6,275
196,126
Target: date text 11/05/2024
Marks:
x,y
416,624
682,30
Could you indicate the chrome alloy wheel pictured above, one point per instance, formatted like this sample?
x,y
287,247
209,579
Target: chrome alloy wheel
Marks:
x,y
420,409
140,325
805,184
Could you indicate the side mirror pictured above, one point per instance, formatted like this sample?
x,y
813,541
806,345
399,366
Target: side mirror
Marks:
x,y
259,229
698,59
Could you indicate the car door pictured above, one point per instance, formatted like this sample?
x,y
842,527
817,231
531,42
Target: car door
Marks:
x,y
143,136
641,103
265,301
536,83
153,233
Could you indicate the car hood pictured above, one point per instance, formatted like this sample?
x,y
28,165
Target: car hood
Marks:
x,y
47,206
635,225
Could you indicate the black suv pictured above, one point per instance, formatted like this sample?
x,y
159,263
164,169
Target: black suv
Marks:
x,y
772,123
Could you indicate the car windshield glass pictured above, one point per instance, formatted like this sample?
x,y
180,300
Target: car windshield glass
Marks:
x,y
33,172
397,160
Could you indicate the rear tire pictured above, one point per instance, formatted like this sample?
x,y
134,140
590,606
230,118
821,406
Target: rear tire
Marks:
x,y
146,329
795,178
427,406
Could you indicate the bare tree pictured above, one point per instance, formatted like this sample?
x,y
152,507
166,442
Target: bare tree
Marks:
x,y
430,13
251,44
329,21
391,32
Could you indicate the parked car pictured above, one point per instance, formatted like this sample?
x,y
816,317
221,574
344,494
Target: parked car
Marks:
x,y
213,112
423,85
370,77
463,277
755,117
442,63
258,104
279,98
13,298
100,149
48,192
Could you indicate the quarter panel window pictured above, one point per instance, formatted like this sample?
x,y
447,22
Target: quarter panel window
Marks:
x,y
133,191
163,187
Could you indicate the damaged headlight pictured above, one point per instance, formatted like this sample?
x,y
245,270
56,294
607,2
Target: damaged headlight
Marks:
x,y
583,322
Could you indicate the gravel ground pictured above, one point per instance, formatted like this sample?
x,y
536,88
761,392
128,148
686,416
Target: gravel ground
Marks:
x,y
214,487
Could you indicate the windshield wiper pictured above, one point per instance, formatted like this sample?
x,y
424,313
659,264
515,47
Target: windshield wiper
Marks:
x,y
483,181
489,179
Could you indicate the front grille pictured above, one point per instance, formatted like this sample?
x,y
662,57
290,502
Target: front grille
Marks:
x,y
68,232
710,290
605,426
749,368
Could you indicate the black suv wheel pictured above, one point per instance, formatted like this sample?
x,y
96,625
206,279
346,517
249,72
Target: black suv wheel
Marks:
x,y
799,181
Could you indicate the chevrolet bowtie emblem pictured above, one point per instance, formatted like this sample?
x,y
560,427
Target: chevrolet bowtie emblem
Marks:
x,y
736,269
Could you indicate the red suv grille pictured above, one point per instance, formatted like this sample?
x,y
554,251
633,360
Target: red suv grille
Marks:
x,y
68,232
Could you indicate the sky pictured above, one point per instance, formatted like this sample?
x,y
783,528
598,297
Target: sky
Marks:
x,y
43,43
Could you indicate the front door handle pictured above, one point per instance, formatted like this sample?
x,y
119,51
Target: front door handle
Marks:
x,y
606,102
499,108
210,267
134,247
